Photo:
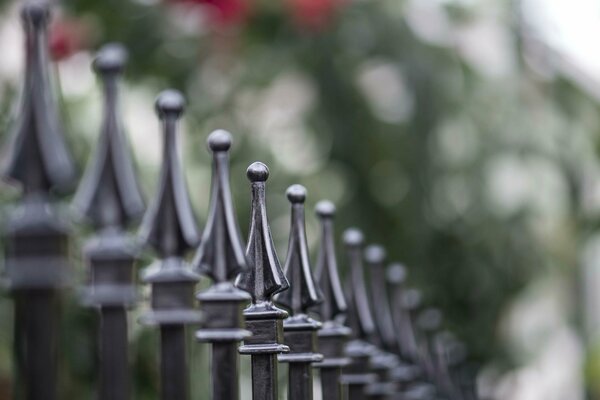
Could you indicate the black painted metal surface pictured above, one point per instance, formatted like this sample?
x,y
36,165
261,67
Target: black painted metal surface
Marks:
x,y
263,279
333,335
221,257
36,233
109,197
169,227
300,331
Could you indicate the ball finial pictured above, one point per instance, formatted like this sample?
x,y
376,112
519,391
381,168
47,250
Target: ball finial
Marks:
x,y
353,237
36,13
375,254
396,273
111,57
257,172
325,209
219,140
296,194
169,101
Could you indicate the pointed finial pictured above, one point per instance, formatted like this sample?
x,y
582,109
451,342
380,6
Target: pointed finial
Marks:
x,y
360,317
37,155
264,278
109,193
169,225
221,252
334,305
375,257
303,292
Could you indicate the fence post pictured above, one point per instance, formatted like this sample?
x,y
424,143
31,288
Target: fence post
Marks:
x,y
263,280
221,257
334,334
36,234
169,227
358,375
300,331
110,198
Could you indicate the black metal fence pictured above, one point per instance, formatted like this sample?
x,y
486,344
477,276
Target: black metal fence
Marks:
x,y
376,342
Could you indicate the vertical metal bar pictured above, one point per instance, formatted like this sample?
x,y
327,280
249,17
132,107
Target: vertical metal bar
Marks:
x,y
173,363
36,336
264,377
300,385
114,366
331,384
225,367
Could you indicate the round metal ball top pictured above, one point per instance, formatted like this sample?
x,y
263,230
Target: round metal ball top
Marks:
x,y
353,237
375,254
219,140
325,209
296,194
111,57
257,172
396,273
35,12
170,101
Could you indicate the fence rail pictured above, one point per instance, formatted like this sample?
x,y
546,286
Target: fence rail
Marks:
x,y
374,341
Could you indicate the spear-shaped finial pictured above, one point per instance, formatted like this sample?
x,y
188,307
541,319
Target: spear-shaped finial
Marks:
x,y
37,155
333,307
221,256
109,197
300,329
221,252
303,293
109,194
169,227
35,235
333,335
262,280
375,258
361,315
396,276
265,278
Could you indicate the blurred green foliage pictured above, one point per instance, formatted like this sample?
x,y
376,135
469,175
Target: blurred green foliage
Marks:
x,y
405,134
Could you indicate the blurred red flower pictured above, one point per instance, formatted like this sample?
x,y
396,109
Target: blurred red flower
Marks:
x,y
226,12
314,14
67,36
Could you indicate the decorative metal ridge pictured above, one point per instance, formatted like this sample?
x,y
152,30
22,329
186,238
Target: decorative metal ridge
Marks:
x,y
109,194
262,280
38,157
169,225
221,252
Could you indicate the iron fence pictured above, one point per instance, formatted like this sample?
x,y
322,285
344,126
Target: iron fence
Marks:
x,y
376,342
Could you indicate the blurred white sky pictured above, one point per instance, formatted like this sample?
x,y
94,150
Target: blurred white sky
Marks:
x,y
570,29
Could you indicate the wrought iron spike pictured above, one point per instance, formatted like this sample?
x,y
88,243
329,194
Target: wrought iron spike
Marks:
x,y
375,258
221,252
360,315
303,292
221,256
333,307
169,225
109,193
299,330
333,335
264,278
403,323
38,157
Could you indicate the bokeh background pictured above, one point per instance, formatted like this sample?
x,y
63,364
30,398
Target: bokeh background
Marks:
x,y
461,134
